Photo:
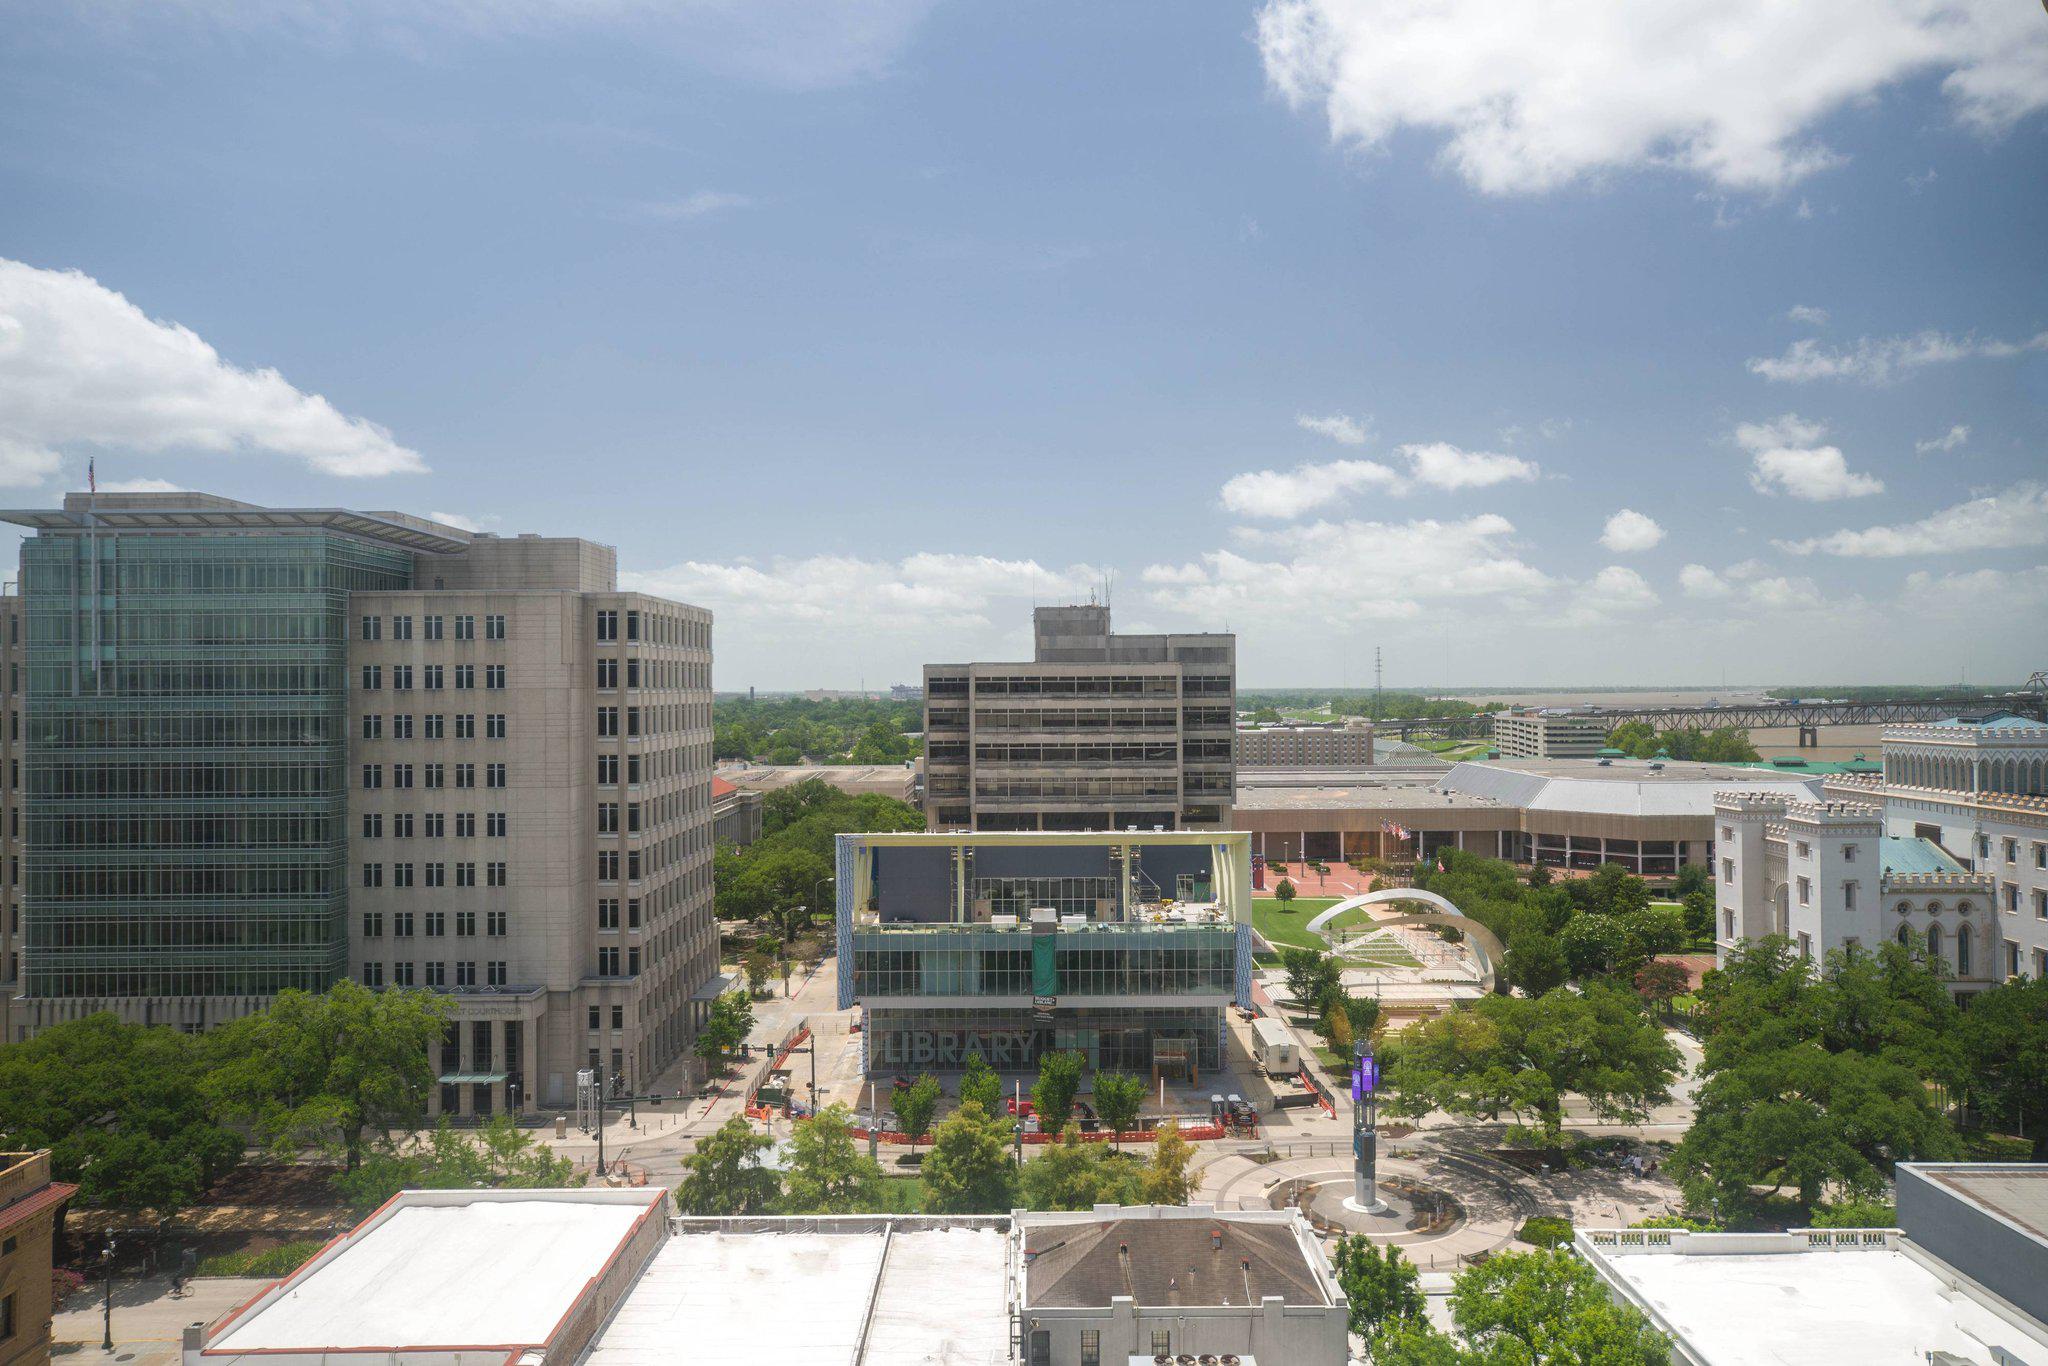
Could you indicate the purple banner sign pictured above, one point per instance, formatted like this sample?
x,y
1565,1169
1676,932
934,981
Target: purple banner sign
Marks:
x,y
1365,1077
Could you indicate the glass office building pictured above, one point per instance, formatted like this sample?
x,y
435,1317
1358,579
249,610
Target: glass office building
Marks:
x,y
1011,945
185,746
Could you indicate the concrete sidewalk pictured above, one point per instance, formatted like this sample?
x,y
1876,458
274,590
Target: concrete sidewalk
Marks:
x,y
148,1322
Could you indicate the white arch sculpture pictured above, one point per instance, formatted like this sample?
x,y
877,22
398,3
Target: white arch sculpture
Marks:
x,y
1486,946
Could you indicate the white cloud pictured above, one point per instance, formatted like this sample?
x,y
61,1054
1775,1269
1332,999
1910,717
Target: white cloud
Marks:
x,y
80,366
2015,517
1536,95
1880,360
1786,457
1616,591
924,589
1629,530
696,205
1311,485
1950,440
1808,314
23,464
1958,594
1344,430
1351,570
1442,465
140,486
1273,493
458,521
1698,581
1751,581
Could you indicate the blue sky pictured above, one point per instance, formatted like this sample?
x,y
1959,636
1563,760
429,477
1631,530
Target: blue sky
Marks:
x,y
1337,323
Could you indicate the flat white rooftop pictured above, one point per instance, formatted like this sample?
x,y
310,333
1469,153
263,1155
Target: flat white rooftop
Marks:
x,y
712,1298
1811,1306
479,1273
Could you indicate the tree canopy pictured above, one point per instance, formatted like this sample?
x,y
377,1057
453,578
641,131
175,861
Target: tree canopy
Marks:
x,y
341,1071
727,1173
1817,1077
791,863
121,1109
828,1173
788,730
1521,1056
498,1154
968,1170
1525,1309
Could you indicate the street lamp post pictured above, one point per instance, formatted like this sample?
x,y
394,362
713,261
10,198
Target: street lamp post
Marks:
x,y
107,1304
1365,1080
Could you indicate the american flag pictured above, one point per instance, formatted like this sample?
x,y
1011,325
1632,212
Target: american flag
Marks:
x,y
1395,828
92,475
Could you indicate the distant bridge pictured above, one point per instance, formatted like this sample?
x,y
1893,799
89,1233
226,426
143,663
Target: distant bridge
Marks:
x,y
1747,715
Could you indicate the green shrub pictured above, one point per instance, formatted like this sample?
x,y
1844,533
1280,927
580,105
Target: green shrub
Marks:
x,y
281,1260
1546,1230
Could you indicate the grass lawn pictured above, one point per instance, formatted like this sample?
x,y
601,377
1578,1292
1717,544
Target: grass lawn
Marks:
x,y
901,1195
1290,926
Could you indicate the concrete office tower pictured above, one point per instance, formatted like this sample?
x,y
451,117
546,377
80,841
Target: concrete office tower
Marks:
x,y
1096,732
1548,735
324,743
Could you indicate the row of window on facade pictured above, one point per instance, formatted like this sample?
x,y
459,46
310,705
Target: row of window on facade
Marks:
x,y
432,677
436,874
434,975
436,924
2010,848
433,825
434,627
432,775
434,726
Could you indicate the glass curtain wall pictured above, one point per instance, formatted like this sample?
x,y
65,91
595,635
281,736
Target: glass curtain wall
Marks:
x,y
186,760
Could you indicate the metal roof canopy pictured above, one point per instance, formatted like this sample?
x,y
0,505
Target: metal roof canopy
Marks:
x,y
369,526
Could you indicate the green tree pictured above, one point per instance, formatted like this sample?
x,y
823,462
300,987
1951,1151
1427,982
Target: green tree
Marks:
x,y
1283,892
726,1027
980,1084
1073,1175
1522,1056
1809,1120
1857,1214
915,1107
827,1172
1381,1285
340,1071
121,1109
727,1173
1694,877
1660,982
1598,945
1118,1098
1314,978
1697,906
759,965
1535,963
1166,1179
1335,1027
1363,1013
2004,1038
500,1155
1059,1082
1612,890
968,1170
1550,1307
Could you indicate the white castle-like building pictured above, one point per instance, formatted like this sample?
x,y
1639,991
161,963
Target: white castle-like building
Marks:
x,y
1945,852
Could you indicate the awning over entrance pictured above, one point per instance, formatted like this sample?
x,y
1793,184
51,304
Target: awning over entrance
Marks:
x,y
472,1078
714,988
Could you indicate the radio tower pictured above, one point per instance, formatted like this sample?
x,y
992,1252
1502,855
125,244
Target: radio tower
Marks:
x,y
1375,682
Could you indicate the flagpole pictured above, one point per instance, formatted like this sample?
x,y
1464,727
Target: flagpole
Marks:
x,y
92,522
